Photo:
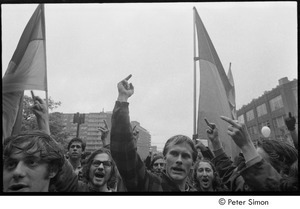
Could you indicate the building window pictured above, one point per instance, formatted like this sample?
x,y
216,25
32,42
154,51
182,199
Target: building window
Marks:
x,y
266,123
279,122
253,130
250,130
276,103
241,119
261,110
250,115
295,91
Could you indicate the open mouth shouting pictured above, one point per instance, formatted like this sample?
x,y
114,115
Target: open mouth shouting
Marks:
x,y
177,170
99,175
205,182
18,188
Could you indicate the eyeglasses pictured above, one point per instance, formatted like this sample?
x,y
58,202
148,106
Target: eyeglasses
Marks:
x,y
161,164
77,146
106,164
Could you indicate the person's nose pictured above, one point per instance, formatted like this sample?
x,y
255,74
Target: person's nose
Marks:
x,y
19,171
101,166
204,173
179,159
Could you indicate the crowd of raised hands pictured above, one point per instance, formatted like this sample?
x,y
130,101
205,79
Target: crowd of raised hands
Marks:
x,y
35,162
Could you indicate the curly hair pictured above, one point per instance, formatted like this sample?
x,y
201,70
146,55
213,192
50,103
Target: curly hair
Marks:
x,y
180,139
76,139
36,142
216,183
86,168
281,154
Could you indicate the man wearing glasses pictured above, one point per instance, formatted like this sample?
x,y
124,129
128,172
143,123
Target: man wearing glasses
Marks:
x,y
76,148
100,174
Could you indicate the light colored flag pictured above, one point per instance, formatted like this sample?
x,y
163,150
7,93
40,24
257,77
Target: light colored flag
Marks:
x,y
231,94
214,88
26,71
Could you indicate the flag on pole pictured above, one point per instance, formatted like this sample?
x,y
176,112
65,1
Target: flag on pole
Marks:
x,y
231,94
26,71
214,88
27,68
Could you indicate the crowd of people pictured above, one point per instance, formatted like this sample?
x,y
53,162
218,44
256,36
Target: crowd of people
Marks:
x,y
35,162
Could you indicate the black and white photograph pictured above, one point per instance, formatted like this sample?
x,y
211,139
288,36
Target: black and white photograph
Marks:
x,y
151,99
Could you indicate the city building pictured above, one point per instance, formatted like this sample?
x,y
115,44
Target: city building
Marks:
x,y
270,109
89,131
153,149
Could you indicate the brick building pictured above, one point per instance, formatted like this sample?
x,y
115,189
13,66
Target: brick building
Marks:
x,y
270,109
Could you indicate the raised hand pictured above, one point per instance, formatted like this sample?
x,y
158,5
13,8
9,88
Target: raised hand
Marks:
x,y
136,134
241,138
125,89
238,132
39,107
213,135
212,131
104,130
290,122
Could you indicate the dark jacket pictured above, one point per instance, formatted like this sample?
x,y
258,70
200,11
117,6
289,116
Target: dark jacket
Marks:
x,y
131,167
66,180
255,175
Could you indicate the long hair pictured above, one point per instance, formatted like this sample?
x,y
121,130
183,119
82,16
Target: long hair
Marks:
x,y
290,182
86,168
216,182
281,154
35,142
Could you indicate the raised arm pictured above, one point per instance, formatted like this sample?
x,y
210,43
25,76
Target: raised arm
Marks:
x,y
104,133
122,144
39,108
258,174
66,179
222,162
290,123
241,138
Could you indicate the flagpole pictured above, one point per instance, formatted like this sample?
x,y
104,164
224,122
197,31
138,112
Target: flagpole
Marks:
x,y
194,72
44,33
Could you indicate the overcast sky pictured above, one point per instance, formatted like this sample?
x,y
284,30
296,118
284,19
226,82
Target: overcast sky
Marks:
x,y
91,47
